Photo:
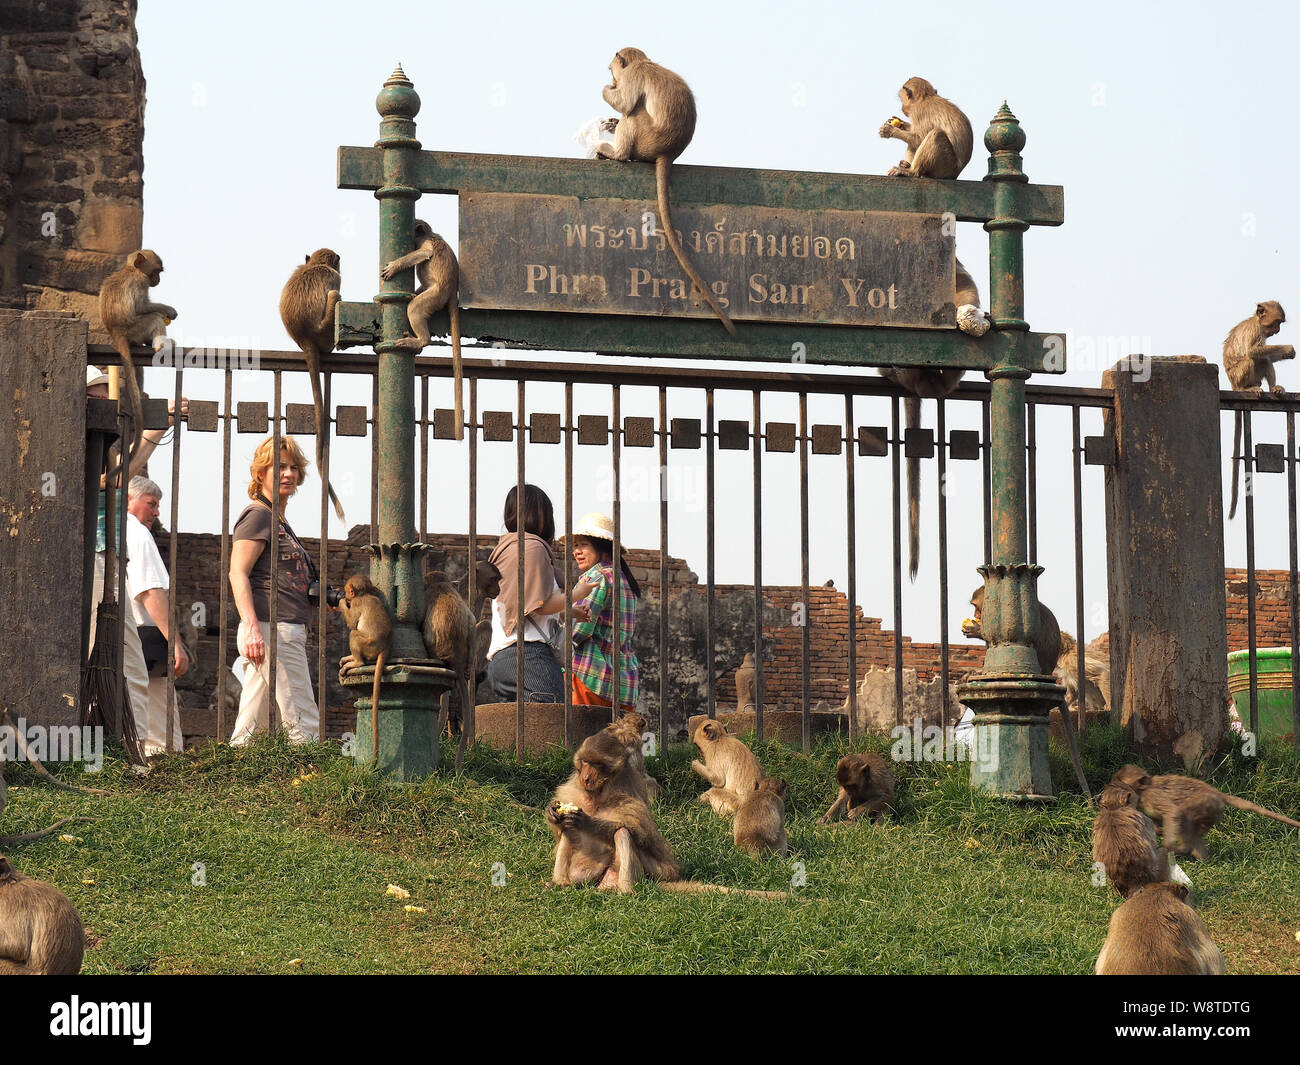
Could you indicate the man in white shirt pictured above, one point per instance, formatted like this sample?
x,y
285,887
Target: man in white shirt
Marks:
x,y
147,585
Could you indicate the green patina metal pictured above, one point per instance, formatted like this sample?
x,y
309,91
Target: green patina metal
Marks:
x,y
1011,697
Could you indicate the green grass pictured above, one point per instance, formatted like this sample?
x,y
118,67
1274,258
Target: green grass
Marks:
x,y
296,875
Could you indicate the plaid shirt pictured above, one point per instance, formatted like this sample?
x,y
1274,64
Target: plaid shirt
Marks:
x,y
593,641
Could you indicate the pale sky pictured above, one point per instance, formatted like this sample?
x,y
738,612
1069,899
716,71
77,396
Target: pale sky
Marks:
x,y
1169,126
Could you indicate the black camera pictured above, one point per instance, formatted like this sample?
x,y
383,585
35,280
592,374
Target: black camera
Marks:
x,y
332,595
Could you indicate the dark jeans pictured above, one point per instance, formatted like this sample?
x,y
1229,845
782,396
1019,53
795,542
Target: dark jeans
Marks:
x,y
543,677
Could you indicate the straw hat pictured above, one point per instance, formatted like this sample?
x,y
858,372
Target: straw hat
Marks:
x,y
595,525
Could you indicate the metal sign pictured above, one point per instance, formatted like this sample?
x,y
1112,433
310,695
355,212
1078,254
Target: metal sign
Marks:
x,y
610,256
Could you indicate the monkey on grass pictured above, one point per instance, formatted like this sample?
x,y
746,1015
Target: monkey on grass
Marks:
x,y
866,788
40,932
728,765
658,122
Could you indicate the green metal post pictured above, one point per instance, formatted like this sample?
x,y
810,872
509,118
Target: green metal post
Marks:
x,y
408,740
1011,697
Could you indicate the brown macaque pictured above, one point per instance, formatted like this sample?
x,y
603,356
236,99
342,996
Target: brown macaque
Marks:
x,y
728,765
1124,842
370,639
1186,808
938,134
40,932
451,635
1047,640
130,317
866,788
438,272
1156,933
307,304
658,122
1248,362
760,822
630,730
487,585
604,831
1096,680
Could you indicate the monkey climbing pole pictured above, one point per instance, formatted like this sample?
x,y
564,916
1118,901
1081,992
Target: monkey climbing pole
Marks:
x,y
549,262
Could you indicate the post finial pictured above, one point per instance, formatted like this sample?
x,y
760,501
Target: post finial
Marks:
x,y
398,98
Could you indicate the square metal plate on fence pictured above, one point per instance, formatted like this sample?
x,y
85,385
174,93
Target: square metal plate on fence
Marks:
x,y
498,425
733,435
251,417
203,416
593,429
638,432
300,419
685,434
779,437
155,414
873,441
964,444
1098,451
444,423
827,439
918,443
544,428
1270,458
350,421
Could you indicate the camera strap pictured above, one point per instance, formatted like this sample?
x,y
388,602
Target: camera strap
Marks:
x,y
311,566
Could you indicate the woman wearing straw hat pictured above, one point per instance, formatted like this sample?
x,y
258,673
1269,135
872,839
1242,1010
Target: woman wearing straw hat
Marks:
x,y
592,677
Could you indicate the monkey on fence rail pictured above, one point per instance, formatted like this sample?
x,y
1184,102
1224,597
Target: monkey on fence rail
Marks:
x,y
939,138
658,122
1248,362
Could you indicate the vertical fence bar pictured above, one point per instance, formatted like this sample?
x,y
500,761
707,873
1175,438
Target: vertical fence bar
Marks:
x,y
1295,606
173,606
986,447
758,563
708,536
520,644
1082,694
1031,446
616,698
570,739
898,563
851,537
663,559
805,647
374,461
273,648
944,666
1249,459
471,538
223,625
323,562
423,424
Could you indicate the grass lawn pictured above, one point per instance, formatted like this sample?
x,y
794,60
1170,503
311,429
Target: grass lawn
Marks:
x,y
296,847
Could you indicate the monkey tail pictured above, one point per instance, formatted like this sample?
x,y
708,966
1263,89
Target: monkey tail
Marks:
x,y
466,716
313,357
137,410
374,704
1236,459
695,887
912,420
1246,804
453,315
662,166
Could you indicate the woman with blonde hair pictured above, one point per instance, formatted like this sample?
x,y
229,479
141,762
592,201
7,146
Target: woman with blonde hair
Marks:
x,y
250,583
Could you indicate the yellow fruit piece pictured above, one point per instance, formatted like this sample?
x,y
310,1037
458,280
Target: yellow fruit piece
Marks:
x,y
397,892
415,909
566,808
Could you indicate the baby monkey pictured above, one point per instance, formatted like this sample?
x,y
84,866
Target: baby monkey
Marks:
x,y
760,821
1124,842
370,639
439,275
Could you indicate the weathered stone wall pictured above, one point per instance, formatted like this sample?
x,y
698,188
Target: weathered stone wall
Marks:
x,y
71,162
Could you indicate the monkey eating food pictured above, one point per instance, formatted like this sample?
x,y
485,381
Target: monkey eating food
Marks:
x,y
1156,933
307,304
370,639
1248,362
1185,807
938,134
40,932
438,272
658,122
130,317
866,788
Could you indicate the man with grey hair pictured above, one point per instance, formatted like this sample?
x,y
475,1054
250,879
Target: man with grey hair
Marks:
x,y
147,585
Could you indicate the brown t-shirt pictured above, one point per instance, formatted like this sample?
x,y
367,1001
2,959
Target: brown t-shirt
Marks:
x,y
293,572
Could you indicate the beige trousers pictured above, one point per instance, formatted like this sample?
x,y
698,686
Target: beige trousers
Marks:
x,y
299,716
137,677
155,738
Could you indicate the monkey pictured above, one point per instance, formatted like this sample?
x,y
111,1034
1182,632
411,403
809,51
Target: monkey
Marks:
x,y
439,276
370,639
1124,842
932,384
1248,362
605,833
1156,933
760,822
1096,681
1187,808
939,138
658,122
307,304
487,585
630,730
866,788
728,765
451,635
130,317
40,932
